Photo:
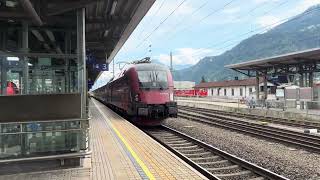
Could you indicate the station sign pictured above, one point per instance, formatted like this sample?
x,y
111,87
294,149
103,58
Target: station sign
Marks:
x,y
100,66
90,58
90,83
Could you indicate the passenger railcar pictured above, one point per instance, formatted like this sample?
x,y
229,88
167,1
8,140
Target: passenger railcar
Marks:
x,y
143,91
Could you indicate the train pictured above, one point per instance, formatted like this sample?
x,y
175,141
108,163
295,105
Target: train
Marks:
x,y
191,93
143,91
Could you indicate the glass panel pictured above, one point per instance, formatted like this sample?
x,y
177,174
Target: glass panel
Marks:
x,y
10,146
153,79
43,138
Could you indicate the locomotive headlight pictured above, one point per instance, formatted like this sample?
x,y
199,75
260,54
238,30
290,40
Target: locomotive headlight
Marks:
x,y
171,96
136,97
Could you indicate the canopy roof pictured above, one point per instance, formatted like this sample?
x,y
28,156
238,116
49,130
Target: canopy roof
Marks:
x,y
300,57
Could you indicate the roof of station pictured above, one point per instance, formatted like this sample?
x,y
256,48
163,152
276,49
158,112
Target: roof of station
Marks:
x,y
229,83
300,57
109,23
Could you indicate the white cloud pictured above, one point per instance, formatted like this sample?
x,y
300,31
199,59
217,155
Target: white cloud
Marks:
x,y
263,1
305,4
105,77
268,21
233,10
185,56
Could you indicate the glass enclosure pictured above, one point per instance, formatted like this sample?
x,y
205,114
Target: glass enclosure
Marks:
x,y
31,139
38,61
45,76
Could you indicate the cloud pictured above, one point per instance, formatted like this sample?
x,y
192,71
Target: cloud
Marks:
x,y
263,1
185,56
233,10
305,4
270,21
106,76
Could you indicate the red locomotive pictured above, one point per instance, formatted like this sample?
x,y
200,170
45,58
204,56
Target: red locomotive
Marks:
x,y
191,93
143,91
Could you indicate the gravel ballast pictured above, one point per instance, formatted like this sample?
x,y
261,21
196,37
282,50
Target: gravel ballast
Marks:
x,y
282,159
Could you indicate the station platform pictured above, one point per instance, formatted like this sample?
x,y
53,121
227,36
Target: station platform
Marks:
x,y
119,151
290,113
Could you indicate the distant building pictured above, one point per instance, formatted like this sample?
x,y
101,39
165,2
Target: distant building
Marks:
x,y
234,88
183,85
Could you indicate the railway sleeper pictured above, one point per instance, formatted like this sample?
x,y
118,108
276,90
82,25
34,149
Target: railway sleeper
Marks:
x,y
204,154
186,147
172,138
258,178
238,175
216,164
189,151
180,145
182,141
206,159
226,169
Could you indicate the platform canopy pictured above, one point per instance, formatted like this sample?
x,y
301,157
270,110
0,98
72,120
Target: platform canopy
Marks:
x,y
109,23
306,61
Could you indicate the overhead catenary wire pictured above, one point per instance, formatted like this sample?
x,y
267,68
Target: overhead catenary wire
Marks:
x,y
257,29
191,14
204,18
152,17
262,29
162,22
221,9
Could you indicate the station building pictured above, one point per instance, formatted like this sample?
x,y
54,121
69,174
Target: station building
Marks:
x,y
234,89
302,67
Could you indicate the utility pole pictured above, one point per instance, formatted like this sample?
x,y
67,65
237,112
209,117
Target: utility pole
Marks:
x,y
113,68
171,68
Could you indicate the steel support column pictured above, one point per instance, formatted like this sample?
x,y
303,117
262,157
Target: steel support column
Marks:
x,y
257,85
311,79
3,62
301,81
67,61
265,86
24,49
82,81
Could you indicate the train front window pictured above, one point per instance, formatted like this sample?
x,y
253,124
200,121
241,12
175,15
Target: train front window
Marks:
x,y
153,79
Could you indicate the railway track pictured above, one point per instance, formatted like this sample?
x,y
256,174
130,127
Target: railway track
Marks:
x,y
301,140
288,122
210,161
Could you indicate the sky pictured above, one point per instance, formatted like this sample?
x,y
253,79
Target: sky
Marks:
x,y
193,29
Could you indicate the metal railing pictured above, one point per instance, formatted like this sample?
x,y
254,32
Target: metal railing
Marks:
x,y
44,139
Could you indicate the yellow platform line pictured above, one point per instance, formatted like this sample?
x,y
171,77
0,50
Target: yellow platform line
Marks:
x,y
132,152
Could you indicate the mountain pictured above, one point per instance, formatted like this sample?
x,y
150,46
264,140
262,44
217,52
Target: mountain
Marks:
x,y
175,67
300,33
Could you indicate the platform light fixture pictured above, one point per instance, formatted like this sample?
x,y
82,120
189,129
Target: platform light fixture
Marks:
x,y
106,32
12,58
113,8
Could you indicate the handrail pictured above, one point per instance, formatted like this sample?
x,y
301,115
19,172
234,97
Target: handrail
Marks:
x,y
45,121
60,156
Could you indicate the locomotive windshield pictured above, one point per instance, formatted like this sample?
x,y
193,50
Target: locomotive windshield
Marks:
x,y
153,79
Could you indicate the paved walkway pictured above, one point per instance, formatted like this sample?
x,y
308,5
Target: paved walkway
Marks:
x,y
119,151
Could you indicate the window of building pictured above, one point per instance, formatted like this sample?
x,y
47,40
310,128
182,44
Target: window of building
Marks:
x,y
241,92
225,92
250,90
232,92
211,92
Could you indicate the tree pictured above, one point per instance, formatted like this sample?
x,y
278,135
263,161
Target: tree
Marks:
x,y
203,79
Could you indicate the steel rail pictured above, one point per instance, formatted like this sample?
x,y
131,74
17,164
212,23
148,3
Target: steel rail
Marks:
x,y
295,123
269,128
311,143
162,135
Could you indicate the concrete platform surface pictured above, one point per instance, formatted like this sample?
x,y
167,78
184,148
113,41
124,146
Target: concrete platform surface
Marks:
x,y
119,151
